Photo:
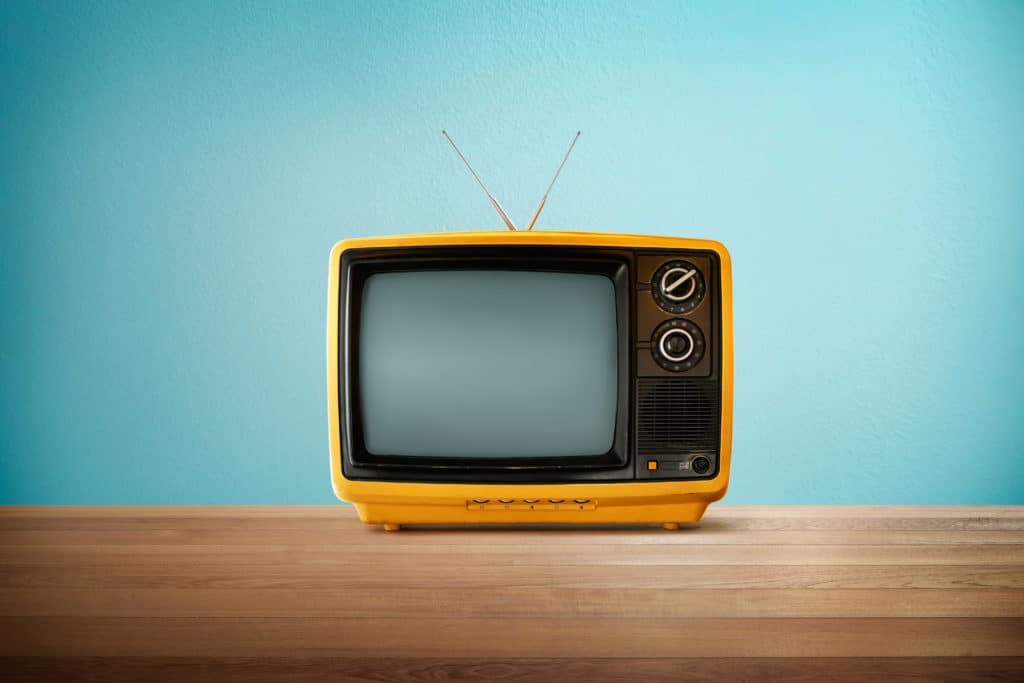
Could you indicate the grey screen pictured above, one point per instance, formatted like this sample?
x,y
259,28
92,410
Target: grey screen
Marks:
x,y
488,364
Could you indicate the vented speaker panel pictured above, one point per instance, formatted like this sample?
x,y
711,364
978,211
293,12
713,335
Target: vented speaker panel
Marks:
x,y
678,416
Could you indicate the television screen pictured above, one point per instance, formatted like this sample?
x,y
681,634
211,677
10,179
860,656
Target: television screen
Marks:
x,y
488,364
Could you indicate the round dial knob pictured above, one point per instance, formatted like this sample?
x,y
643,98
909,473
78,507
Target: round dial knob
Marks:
x,y
677,345
678,286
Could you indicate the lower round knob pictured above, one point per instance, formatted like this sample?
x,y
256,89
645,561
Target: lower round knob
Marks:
x,y
676,345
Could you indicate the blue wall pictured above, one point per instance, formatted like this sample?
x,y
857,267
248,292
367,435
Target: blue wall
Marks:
x,y
172,176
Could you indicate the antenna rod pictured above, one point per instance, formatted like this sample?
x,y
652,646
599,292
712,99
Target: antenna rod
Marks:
x,y
544,199
494,202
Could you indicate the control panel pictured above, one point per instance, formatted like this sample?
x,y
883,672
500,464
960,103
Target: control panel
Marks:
x,y
678,392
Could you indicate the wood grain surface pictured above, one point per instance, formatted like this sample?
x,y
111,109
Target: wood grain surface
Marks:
x,y
309,593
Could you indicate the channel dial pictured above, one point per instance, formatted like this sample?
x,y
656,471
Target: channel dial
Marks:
x,y
677,345
678,287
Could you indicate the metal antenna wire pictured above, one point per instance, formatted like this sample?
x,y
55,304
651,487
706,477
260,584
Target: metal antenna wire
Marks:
x,y
544,199
494,202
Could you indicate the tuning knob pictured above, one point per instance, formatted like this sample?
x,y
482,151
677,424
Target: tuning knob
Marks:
x,y
678,287
677,345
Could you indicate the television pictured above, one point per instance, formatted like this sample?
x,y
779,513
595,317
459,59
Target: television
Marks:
x,y
529,377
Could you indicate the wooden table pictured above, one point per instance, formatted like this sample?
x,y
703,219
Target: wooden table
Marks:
x,y
305,593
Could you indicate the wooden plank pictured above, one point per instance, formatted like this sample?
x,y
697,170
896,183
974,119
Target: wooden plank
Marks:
x,y
329,575
761,516
532,670
160,574
315,536
364,557
456,601
501,638
343,525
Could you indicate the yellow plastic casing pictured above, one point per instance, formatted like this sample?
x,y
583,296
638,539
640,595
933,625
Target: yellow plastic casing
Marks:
x,y
637,502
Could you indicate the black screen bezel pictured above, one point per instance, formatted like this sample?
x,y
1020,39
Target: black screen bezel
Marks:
x,y
359,264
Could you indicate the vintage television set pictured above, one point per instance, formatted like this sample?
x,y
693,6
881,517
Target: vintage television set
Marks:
x,y
529,377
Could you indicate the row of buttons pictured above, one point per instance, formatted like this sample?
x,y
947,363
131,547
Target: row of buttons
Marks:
x,y
531,504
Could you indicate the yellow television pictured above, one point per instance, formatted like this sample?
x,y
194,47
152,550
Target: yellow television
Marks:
x,y
529,377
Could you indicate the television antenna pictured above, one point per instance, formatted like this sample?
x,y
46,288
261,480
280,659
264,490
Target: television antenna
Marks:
x,y
494,202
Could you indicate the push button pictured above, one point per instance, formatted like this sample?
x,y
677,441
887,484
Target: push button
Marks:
x,y
652,465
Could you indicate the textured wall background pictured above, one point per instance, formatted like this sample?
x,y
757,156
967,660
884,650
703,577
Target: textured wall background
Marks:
x,y
173,175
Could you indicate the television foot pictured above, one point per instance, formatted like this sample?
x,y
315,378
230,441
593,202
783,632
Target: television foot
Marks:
x,y
671,526
396,527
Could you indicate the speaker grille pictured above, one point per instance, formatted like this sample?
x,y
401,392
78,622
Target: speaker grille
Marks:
x,y
678,415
